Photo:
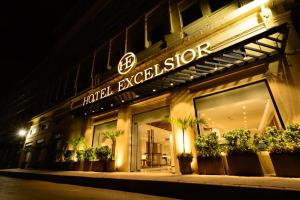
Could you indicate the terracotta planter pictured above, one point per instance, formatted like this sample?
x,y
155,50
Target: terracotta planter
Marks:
x,y
98,166
88,165
246,164
110,166
185,166
286,164
210,165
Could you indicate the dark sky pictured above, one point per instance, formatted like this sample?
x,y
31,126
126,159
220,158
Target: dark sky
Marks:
x,y
27,32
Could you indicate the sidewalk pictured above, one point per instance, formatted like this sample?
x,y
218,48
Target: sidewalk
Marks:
x,y
178,186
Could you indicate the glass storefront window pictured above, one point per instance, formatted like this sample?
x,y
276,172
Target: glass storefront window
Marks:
x,y
248,107
98,139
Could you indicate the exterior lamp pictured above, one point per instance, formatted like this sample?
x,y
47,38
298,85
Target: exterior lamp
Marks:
x,y
22,132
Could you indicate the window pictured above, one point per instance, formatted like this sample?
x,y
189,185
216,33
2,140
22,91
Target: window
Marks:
x,y
100,65
136,37
84,76
217,4
98,139
248,107
191,13
117,50
158,24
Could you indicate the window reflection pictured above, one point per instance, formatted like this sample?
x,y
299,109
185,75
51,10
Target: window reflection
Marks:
x,y
249,107
98,139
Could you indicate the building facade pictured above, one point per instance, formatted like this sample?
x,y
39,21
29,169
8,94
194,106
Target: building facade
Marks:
x,y
232,63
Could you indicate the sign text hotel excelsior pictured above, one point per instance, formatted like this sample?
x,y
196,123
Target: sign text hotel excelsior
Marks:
x,y
128,62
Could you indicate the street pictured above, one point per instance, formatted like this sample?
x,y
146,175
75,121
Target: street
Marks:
x,y
19,189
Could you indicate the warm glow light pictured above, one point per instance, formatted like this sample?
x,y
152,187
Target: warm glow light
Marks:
x,y
22,133
179,141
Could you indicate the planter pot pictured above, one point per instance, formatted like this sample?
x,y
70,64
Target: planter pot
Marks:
x,y
88,165
246,164
98,166
185,166
77,166
210,165
110,166
286,164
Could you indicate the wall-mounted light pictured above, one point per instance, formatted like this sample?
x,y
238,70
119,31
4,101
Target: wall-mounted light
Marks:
x,y
265,12
22,132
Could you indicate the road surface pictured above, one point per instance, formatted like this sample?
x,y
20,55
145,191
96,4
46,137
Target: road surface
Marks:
x,y
19,189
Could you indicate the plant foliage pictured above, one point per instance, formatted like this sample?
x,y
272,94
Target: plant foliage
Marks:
x,y
208,146
103,153
185,157
89,154
283,141
185,123
239,141
112,135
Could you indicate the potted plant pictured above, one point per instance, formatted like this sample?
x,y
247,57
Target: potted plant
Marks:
x,y
241,153
76,153
185,158
209,157
112,135
102,154
89,157
68,162
284,148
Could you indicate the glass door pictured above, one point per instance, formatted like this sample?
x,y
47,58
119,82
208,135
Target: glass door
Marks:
x,y
151,143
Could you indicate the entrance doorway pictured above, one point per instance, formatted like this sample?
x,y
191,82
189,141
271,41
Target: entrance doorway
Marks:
x,y
151,141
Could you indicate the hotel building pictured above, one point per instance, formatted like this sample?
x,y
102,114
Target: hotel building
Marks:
x,y
234,63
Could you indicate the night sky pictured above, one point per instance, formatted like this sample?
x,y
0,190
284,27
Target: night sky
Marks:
x,y
28,31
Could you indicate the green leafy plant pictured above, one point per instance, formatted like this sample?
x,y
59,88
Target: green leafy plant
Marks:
x,y
283,141
112,135
185,157
89,154
75,143
80,155
103,153
239,141
260,142
67,154
208,146
185,123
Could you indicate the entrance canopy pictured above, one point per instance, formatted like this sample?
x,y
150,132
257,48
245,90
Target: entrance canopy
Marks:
x,y
259,48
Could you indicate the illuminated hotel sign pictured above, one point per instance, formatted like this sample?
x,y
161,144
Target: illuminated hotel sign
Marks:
x,y
128,62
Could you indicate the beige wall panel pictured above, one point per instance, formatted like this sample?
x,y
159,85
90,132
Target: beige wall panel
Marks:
x,y
123,141
182,106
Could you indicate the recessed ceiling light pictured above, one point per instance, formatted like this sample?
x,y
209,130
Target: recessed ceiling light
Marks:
x,y
122,100
101,108
192,77
171,84
93,111
111,105
154,90
137,96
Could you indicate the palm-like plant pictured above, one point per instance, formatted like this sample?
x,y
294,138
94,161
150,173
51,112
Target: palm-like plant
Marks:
x,y
112,135
185,123
76,142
